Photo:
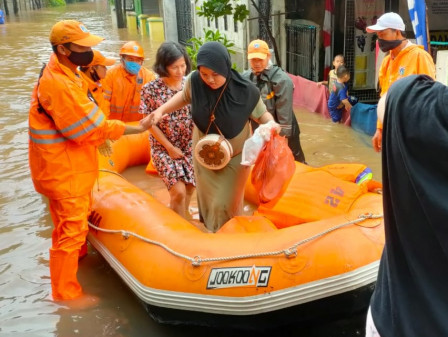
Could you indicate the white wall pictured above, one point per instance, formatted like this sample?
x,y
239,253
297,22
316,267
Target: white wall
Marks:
x,y
246,31
238,37
278,28
442,67
169,19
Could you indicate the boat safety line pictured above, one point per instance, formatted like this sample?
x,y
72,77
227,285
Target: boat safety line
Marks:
x,y
197,260
112,172
108,171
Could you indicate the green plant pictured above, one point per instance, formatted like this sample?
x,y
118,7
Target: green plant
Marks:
x,y
209,35
217,8
213,9
54,3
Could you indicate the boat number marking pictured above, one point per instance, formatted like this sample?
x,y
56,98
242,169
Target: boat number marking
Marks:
x,y
333,201
239,277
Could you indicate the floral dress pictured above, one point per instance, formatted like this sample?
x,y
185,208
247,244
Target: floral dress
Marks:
x,y
177,128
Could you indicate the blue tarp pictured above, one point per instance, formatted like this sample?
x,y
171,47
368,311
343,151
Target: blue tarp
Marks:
x,y
363,118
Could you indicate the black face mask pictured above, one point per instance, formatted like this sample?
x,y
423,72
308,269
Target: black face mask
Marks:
x,y
386,45
81,59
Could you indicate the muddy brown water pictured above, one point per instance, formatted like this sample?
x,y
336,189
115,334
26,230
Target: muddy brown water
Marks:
x,y
25,227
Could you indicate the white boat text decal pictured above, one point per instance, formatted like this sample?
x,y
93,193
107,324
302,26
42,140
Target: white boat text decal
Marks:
x,y
239,277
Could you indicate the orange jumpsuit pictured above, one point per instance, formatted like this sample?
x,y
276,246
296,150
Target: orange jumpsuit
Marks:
x,y
63,140
411,60
122,89
97,91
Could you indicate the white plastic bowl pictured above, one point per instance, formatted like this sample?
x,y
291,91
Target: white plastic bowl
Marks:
x,y
213,151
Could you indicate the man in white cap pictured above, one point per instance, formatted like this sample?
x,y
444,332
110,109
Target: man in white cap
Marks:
x,y
404,58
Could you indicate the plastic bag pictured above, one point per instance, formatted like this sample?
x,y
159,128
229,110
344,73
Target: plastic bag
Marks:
x,y
253,145
273,169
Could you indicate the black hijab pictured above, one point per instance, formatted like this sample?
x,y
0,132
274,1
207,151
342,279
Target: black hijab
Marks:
x,y
237,102
411,294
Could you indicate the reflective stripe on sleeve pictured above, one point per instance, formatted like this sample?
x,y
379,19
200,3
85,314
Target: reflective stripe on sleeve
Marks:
x,y
87,129
84,125
47,140
81,121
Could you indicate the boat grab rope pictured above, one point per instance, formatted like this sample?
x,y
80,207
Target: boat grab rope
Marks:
x,y
112,172
197,260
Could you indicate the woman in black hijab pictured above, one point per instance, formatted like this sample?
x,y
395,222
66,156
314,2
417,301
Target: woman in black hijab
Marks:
x,y
216,87
411,294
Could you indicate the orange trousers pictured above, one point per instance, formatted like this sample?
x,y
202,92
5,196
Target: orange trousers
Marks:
x,y
69,235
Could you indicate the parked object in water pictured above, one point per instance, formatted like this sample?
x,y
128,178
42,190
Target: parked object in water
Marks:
x,y
312,255
363,118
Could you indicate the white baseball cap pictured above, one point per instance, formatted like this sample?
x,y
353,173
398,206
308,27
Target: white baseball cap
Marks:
x,y
387,20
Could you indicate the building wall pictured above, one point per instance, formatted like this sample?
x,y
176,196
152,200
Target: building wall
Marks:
x,y
169,19
277,20
234,31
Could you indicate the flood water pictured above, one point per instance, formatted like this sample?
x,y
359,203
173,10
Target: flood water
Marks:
x,y
26,308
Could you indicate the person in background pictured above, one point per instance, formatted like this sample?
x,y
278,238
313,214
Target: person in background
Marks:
x,y
94,74
171,138
338,60
216,89
2,17
276,89
411,296
404,58
124,81
339,100
65,128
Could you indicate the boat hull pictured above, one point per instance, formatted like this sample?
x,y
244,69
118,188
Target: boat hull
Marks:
x,y
255,273
343,306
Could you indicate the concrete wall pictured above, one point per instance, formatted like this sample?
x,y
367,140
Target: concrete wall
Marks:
x,y
442,67
241,36
169,19
238,36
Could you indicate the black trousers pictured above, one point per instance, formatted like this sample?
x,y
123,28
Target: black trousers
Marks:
x,y
294,141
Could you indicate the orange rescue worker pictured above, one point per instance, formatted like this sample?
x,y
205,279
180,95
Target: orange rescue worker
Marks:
x,y
94,74
404,59
124,83
65,128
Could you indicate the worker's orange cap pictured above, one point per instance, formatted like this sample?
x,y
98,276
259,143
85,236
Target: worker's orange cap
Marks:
x,y
66,31
132,48
100,60
258,49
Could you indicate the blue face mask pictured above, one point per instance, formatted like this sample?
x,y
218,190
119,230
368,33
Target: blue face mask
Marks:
x,y
132,67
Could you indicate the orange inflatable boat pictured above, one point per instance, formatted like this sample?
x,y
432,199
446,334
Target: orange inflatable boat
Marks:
x,y
314,254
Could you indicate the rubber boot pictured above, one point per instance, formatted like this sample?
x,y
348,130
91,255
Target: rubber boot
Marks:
x,y
63,269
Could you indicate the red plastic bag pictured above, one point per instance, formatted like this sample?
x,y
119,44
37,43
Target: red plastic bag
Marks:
x,y
273,169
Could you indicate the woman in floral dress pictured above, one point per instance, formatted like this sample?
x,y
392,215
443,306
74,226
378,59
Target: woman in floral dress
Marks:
x,y
220,193
171,138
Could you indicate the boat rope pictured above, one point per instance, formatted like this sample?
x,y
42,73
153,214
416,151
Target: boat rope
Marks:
x,y
112,172
197,260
